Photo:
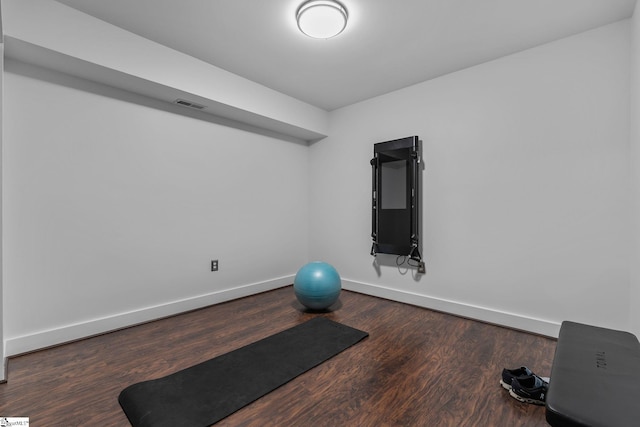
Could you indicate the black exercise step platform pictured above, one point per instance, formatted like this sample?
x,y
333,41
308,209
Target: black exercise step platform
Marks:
x,y
595,378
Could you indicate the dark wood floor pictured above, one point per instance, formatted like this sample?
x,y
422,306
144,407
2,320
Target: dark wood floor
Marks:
x,y
417,368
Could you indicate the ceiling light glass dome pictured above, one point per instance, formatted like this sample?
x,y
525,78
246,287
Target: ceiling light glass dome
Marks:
x,y
321,19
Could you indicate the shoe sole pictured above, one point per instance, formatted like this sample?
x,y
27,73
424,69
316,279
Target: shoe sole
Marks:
x,y
525,399
505,385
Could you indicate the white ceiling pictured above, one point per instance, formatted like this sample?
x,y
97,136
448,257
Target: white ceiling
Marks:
x,y
387,45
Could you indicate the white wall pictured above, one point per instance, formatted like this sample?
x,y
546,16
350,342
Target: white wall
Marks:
x,y
3,361
114,205
526,187
635,163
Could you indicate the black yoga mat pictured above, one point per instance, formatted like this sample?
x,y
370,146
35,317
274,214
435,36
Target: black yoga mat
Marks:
x,y
206,393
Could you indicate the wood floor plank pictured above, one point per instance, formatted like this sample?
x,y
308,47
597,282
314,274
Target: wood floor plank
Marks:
x,y
417,368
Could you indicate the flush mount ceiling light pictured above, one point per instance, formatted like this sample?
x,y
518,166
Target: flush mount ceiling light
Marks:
x,y
321,19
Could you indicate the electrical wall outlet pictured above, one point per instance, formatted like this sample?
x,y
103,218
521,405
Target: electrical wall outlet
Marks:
x,y
422,269
214,265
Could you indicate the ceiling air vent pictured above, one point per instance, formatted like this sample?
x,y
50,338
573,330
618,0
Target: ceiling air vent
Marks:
x,y
189,104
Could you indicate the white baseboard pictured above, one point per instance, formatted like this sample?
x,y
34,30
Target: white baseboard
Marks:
x,y
60,335
5,369
484,314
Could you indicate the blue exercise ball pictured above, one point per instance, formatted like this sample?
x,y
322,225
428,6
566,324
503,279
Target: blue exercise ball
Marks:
x,y
317,285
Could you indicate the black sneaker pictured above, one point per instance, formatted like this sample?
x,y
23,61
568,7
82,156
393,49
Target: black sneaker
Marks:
x,y
529,389
510,374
